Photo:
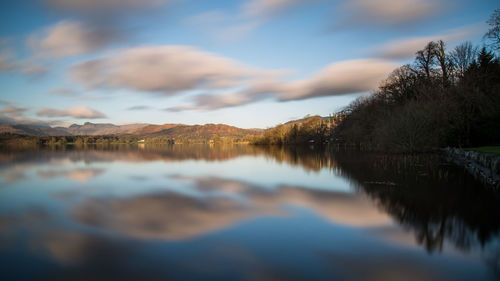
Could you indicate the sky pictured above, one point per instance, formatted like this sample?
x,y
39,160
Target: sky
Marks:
x,y
247,63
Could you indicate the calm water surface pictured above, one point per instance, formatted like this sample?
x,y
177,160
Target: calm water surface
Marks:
x,y
242,213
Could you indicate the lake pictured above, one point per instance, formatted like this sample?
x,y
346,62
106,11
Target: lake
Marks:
x,y
242,212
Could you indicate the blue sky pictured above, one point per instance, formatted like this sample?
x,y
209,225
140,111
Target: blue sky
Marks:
x,y
248,63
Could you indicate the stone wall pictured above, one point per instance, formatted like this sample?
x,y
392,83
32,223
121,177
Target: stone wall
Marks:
x,y
484,166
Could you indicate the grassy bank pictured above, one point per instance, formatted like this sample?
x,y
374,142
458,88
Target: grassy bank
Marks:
x,y
487,149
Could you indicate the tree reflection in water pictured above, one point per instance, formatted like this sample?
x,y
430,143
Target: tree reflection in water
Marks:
x,y
434,199
423,192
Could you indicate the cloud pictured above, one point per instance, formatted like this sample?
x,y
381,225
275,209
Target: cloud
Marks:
x,y
340,78
407,47
268,8
107,6
9,63
14,115
252,14
34,69
61,91
96,24
22,120
69,38
165,69
6,63
171,70
13,110
224,27
139,107
82,111
213,102
347,77
392,13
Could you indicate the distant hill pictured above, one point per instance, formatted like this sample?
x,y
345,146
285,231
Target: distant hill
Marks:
x,y
93,129
150,132
146,131
306,118
33,130
151,129
203,131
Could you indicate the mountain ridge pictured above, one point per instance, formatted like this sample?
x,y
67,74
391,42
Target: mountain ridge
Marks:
x,y
138,129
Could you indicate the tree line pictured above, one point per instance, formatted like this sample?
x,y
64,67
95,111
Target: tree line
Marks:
x,y
444,98
26,140
309,129
29,140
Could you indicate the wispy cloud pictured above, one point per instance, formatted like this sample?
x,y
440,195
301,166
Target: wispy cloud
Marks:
x,y
387,13
269,8
96,24
13,110
69,38
15,115
6,63
139,107
10,63
34,69
347,77
252,14
104,6
173,70
223,26
62,91
404,48
165,69
81,112
340,78
218,101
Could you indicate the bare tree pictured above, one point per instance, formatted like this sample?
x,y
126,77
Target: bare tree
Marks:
x,y
426,58
493,33
462,57
399,85
443,60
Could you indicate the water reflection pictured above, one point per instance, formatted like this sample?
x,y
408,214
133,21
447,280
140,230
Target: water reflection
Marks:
x,y
81,175
174,216
242,213
162,216
434,199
